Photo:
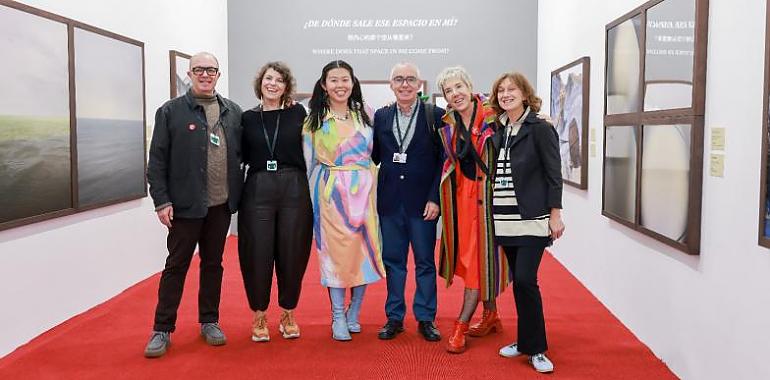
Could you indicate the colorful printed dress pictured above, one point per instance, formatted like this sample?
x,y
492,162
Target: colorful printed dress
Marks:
x,y
343,181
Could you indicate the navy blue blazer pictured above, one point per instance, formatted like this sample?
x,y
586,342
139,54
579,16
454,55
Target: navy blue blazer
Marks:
x,y
416,182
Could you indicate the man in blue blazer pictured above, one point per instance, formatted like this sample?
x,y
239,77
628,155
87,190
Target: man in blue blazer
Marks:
x,y
406,147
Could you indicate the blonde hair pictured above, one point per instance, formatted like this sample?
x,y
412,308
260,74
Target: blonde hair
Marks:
x,y
454,72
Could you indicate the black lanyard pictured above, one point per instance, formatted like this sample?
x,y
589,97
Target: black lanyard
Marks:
x,y
270,146
408,128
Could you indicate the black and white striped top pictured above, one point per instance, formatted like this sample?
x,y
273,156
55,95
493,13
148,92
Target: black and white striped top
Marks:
x,y
510,227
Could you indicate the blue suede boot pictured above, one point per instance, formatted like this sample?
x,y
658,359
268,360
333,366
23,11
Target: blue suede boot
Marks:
x,y
356,299
339,322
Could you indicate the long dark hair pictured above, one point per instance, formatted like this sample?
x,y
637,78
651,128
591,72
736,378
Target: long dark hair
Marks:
x,y
319,104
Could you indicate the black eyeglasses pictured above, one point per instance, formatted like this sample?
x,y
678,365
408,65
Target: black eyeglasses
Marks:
x,y
211,71
399,80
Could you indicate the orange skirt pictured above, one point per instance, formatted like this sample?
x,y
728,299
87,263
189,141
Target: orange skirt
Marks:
x,y
467,206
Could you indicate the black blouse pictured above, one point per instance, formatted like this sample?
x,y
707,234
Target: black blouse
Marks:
x,y
288,149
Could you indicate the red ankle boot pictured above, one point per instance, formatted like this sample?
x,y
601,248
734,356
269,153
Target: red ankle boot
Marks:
x,y
456,343
489,323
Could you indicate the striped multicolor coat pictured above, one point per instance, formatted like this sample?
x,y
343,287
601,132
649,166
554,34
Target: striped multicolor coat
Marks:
x,y
495,275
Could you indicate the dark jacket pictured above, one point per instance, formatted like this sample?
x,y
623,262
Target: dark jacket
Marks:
x,y
416,182
535,166
176,169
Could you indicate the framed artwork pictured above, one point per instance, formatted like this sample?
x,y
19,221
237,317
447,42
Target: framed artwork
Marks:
x,y
179,64
569,112
85,148
377,93
110,118
35,148
304,99
439,100
654,101
764,199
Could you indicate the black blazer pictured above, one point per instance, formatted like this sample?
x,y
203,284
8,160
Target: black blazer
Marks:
x,y
415,183
176,169
535,165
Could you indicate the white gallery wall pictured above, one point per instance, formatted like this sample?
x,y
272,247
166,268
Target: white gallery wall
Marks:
x,y
707,316
53,270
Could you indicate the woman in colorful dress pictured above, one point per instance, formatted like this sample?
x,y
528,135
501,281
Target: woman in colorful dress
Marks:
x,y
338,146
275,218
467,241
526,205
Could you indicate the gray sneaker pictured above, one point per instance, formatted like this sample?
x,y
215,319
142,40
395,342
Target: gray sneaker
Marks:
x,y
213,334
510,351
158,344
541,363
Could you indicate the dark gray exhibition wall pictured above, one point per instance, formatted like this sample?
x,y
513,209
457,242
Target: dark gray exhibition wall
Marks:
x,y
488,37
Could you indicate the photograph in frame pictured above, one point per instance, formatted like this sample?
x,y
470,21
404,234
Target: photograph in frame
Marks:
x,y
35,177
569,114
110,119
179,64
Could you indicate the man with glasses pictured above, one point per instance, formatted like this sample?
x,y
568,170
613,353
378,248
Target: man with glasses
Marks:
x,y
195,182
409,154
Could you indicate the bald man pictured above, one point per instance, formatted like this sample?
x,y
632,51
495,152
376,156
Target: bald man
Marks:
x,y
195,182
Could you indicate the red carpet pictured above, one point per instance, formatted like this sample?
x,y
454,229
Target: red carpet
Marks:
x,y
106,342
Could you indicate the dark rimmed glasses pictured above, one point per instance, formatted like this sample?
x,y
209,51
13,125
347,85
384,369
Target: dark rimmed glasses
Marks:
x,y
211,71
410,80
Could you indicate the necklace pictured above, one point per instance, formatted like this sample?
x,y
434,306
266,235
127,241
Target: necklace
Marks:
x,y
340,117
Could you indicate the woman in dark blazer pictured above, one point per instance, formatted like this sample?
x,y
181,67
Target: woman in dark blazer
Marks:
x,y
526,204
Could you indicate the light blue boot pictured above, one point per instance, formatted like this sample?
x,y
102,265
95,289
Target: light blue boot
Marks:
x,y
356,299
339,322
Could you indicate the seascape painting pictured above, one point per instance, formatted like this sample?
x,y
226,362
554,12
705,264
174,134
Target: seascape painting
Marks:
x,y
110,119
35,170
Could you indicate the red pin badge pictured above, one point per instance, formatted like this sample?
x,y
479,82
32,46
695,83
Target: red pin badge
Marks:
x,y
191,127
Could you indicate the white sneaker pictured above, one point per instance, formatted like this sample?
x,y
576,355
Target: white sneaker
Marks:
x,y
541,363
510,351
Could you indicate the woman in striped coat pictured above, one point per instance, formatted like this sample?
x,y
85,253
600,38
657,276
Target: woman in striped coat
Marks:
x,y
526,204
467,240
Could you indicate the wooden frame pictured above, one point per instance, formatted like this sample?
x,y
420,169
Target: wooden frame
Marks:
x,y
763,238
584,63
435,96
172,61
423,87
638,117
71,25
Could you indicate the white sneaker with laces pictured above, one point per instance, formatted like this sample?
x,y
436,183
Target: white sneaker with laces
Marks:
x,y
510,351
541,363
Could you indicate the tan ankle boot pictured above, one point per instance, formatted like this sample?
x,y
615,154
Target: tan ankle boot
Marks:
x,y
288,326
259,331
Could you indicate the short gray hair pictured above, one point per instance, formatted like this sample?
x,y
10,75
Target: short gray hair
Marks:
x,y
405,64
454,72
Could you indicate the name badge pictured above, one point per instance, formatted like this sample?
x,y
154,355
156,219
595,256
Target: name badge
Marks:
x,y
272,165
214,139
399,158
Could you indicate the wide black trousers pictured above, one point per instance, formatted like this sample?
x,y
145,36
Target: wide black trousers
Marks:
x,y
275,228
524,262
209,233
